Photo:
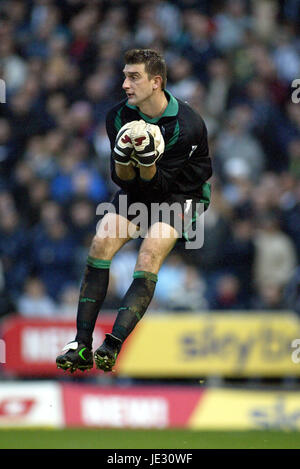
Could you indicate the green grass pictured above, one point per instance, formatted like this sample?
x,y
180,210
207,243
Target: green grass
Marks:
x,y
145,439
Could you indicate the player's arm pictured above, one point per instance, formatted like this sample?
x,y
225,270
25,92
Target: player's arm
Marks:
x,y
124,175
196,165
157,179
147,173
199,163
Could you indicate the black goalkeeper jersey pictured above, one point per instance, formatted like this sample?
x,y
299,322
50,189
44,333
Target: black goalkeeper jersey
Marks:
x,y
185,165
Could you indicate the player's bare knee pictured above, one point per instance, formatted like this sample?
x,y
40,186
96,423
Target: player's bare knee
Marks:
x,y
100,248
147,261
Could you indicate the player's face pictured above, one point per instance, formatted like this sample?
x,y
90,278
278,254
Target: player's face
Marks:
x,y
137,85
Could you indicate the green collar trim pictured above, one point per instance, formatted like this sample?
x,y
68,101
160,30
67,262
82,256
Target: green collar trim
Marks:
x,y
170,111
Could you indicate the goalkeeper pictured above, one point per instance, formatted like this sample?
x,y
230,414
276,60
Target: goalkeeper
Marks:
x,y
159,154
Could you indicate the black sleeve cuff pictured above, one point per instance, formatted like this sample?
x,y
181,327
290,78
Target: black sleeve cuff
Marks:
x,y
147,182
122,183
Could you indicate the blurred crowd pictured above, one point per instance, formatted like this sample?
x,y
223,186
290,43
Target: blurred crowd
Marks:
x,y
234,61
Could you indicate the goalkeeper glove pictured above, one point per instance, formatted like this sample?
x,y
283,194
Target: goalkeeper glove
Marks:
x,y
124,146
146,139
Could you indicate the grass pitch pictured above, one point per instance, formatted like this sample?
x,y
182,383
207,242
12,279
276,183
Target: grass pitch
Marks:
x,y
145,439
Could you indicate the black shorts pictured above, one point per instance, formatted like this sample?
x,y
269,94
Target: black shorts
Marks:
x,y
181,211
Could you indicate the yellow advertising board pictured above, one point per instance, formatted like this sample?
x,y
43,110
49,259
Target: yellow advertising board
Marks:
x,y
227,409
239,345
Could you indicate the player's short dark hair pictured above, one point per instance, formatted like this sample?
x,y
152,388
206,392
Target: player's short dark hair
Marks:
x,y
154,62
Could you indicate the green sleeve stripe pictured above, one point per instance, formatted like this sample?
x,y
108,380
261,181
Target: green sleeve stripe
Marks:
x,y
174,137
98,263
147,275
206,194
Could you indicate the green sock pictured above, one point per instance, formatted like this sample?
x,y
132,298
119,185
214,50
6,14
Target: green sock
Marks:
x,y
134,303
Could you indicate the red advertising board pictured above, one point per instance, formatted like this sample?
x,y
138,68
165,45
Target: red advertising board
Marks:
x,y
135,407
33,344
